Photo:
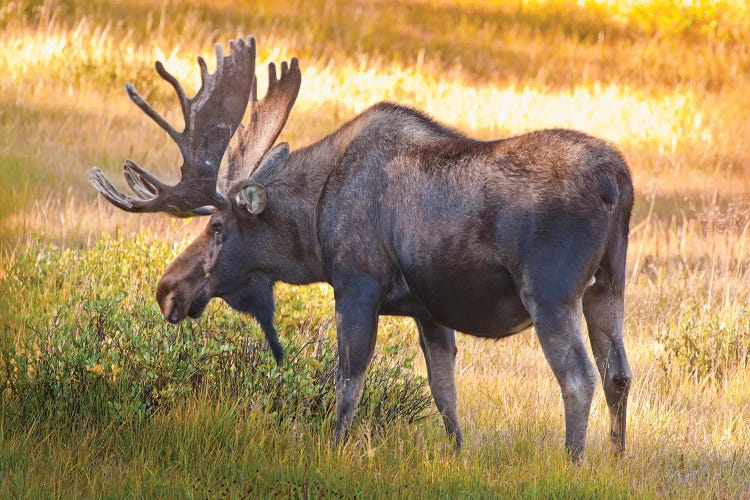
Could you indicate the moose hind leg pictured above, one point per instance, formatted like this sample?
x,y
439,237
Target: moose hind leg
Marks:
x,y
558,327
603,309
439,347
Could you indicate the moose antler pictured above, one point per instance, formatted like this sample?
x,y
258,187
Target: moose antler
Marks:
x,y
267,119
211,119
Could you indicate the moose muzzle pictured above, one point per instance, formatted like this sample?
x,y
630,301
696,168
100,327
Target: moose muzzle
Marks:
x,y
183,289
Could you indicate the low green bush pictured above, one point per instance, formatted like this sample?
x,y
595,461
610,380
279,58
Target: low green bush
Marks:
x,y
83,338
707,342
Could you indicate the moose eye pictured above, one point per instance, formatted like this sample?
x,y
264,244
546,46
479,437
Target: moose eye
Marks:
x,y
216,228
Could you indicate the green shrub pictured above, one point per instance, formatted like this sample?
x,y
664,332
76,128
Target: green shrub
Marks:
x,y
707,342
84,339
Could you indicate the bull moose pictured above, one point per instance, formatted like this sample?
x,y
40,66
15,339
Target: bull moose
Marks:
x,y
401,216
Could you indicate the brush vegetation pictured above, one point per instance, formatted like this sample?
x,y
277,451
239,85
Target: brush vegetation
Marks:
x,y
99,397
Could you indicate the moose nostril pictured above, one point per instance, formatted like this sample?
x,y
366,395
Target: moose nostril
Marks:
x,y
170,312
174,318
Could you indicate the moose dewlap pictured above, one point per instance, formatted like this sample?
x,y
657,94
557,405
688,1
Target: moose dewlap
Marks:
x,y
402,216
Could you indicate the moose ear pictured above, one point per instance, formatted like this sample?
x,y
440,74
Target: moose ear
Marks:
x,y
252,198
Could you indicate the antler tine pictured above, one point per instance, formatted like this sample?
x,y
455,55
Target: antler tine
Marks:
x,y
204,70
111,193
139,188
220,56
166,75
143,183
151,112
271,76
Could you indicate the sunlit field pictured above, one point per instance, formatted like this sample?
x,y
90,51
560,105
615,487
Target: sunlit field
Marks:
x,y
101,398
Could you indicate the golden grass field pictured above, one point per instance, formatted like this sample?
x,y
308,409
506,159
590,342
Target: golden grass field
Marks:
x,y
667,81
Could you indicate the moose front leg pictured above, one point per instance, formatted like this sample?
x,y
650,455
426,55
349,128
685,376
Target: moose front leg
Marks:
x,y
357,304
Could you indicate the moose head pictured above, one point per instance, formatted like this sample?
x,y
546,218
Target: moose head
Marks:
x,y
209,266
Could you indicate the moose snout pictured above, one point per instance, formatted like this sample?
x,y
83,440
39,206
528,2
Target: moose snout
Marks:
x,y
180,296
169,307
170,311
166,296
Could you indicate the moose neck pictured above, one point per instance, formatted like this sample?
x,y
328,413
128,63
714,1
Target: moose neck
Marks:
x,y
294,190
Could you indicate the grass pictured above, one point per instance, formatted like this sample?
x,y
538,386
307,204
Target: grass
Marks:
x,y
663,79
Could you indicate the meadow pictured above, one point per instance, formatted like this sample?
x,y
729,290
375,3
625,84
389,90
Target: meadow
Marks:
x,y
100,397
